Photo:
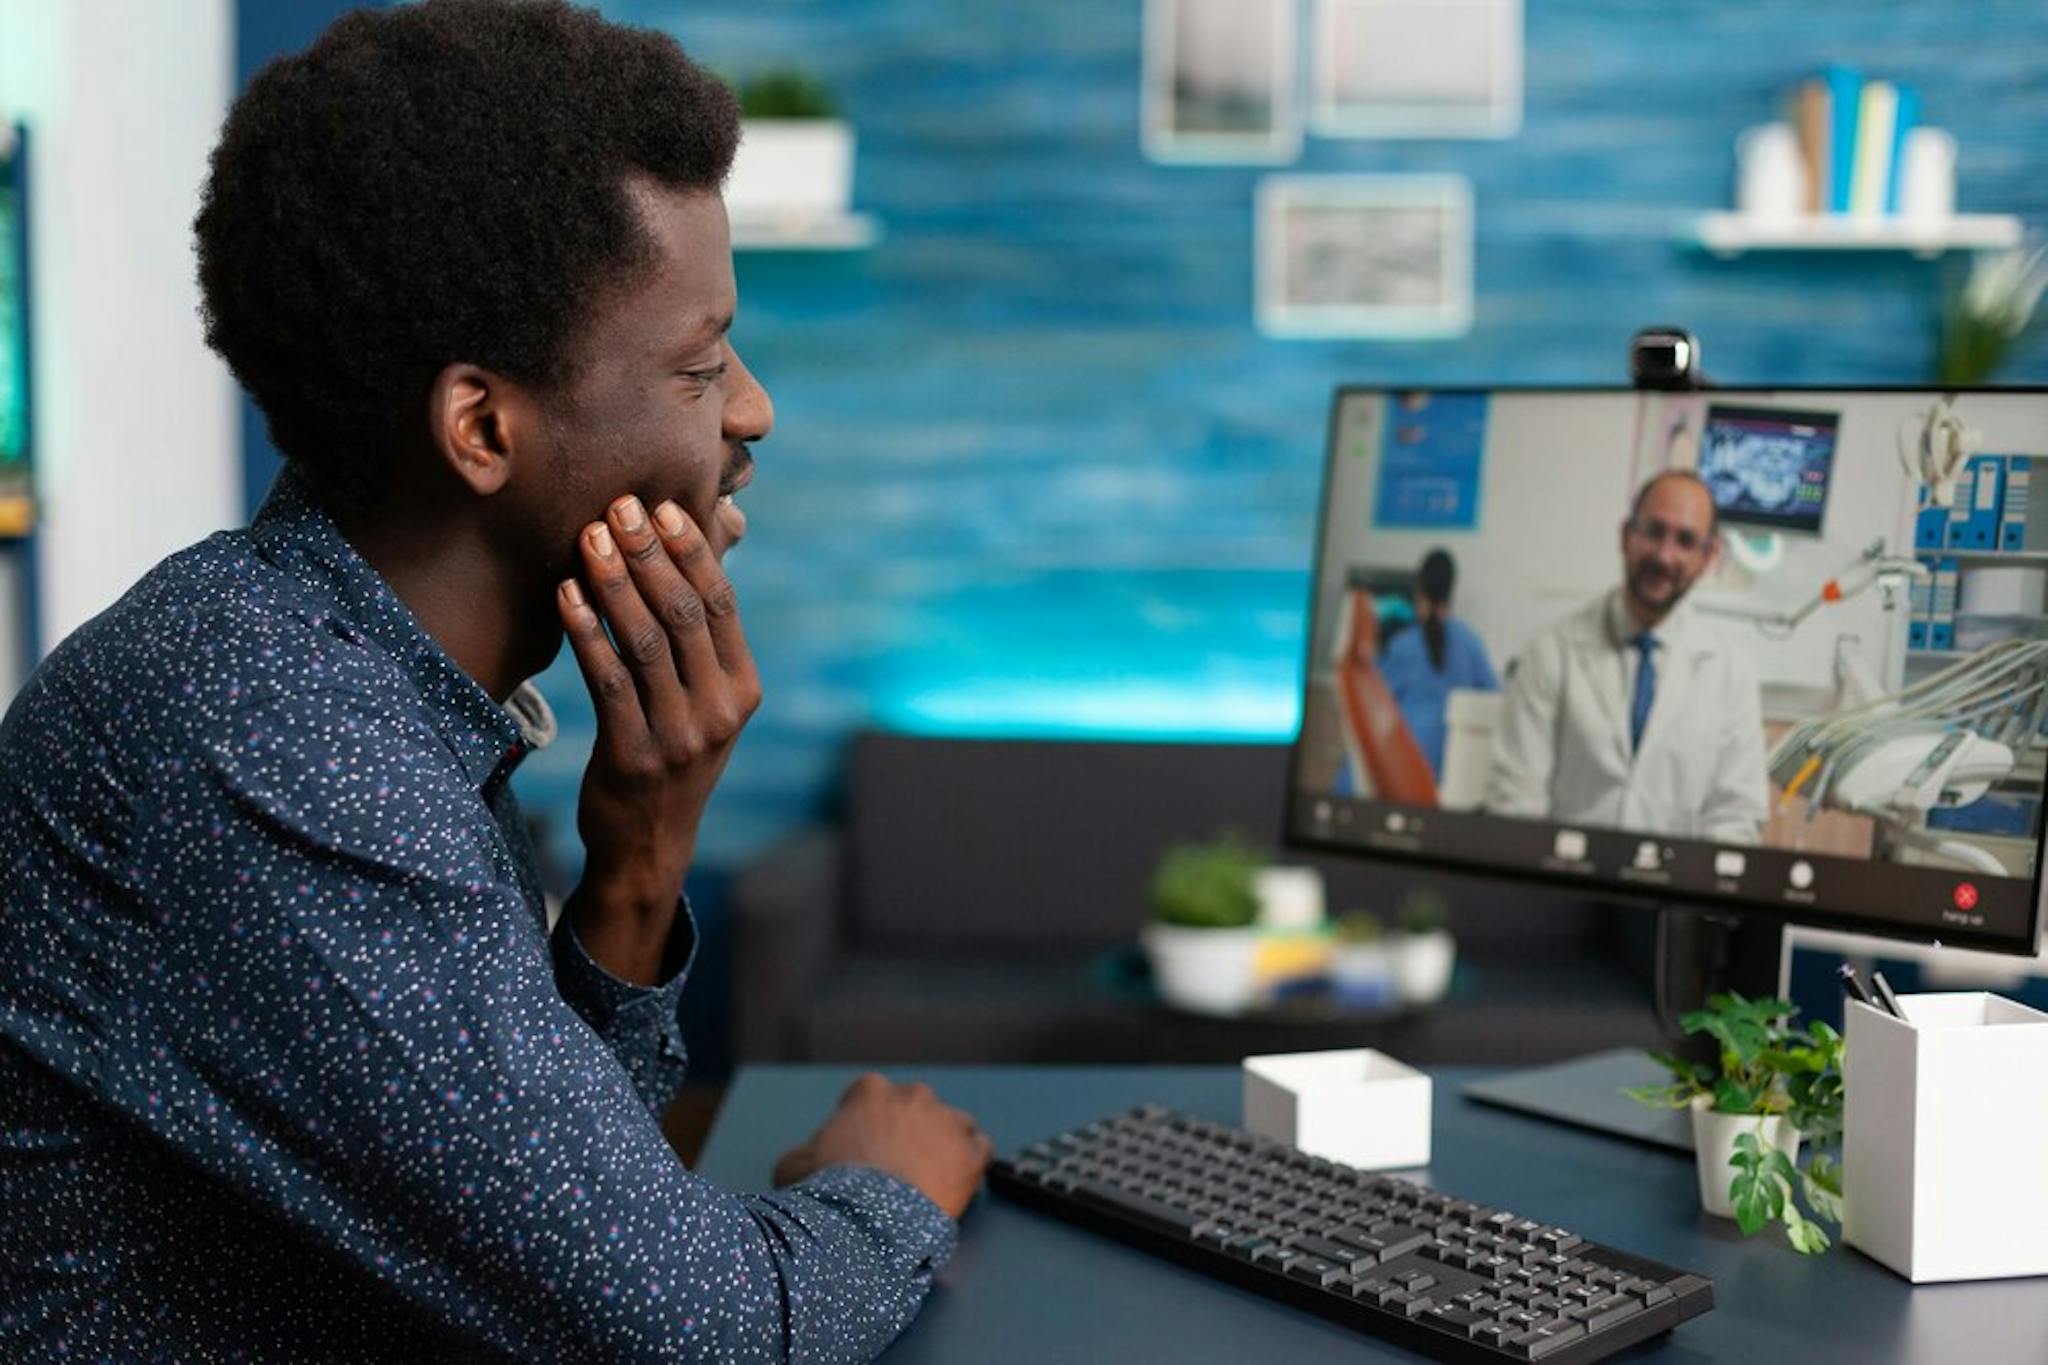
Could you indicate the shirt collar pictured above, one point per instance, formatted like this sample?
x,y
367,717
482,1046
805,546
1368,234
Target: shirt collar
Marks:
x,y
294,533
1622,628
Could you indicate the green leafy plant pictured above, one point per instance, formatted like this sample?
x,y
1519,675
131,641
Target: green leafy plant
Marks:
x,y
1207,885
1766,1065
1424,911
1990,315
1357,927
785,93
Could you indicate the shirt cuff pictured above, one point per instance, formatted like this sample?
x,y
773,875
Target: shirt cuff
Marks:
x,y
642,1025
893,1211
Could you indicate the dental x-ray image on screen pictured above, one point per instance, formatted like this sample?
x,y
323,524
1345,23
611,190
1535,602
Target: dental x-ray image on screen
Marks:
x,y
1768,467
1721,647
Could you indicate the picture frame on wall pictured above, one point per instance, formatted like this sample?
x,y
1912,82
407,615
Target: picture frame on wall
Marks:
x,y
1376,256
1221,82
1416,68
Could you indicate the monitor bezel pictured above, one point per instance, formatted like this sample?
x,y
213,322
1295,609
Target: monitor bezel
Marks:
x,y
1608,887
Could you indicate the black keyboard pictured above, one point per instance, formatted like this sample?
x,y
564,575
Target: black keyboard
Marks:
x,y
1450,1279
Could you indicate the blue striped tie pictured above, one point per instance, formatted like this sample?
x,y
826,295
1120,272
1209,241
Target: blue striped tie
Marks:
x,y
1646,689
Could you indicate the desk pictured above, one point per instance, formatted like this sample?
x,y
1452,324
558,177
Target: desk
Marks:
x,y
1024,1287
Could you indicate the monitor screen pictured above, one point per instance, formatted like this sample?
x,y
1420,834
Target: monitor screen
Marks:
x,y
1606,638
1768,467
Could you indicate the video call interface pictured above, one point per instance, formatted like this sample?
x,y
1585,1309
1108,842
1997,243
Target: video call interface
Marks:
x,y
1782,649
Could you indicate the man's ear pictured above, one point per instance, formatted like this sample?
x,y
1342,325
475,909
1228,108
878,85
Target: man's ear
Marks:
x,y
476,420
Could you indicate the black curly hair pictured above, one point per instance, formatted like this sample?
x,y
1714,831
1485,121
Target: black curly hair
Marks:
x,y
436,183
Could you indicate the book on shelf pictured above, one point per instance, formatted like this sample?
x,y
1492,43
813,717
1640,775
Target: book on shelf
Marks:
x,y
1845,101
1852,135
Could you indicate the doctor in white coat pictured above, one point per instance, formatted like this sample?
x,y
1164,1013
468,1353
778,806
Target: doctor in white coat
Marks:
x,y
1631,713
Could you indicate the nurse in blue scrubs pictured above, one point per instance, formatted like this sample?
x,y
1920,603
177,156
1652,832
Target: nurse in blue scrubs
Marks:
x,y
1424,661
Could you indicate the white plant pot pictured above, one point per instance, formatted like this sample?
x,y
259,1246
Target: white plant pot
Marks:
x,y
1362,966
1422,965
791,172
1713,1143
1209,971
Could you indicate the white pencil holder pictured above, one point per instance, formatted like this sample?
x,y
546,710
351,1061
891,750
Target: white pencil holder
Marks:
x,y
1945,1137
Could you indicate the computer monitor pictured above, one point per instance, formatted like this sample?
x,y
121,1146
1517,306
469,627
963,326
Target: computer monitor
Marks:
x,y
1768,467
1845,714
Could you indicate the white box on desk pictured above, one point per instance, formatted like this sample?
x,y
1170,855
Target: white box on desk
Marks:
x,y
1355,1105
1945,1137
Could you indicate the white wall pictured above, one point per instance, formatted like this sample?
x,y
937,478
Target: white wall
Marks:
x,y
137,424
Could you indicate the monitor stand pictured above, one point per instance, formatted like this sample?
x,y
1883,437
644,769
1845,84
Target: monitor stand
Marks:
x,y
1697,955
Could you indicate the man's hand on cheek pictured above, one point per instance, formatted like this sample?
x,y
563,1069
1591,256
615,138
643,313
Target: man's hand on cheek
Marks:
x,y
673,684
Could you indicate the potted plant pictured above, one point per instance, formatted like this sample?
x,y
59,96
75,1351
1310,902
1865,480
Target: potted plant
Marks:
x,y
794,167
1203,941
1361,972
1772,1084
1986,320
1424,952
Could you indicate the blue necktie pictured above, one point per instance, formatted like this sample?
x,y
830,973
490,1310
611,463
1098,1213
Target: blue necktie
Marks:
x,y
1646,689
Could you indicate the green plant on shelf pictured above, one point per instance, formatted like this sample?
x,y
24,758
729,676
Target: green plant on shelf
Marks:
x,y
1990,315
1207,885
784,93
1767,1066
1425,911
1357,927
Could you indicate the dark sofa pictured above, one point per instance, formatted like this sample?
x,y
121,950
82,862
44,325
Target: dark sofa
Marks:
x,y
977,900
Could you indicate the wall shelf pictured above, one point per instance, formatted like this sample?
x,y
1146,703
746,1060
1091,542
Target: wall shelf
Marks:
x,y
1990,556
842,232
1732,234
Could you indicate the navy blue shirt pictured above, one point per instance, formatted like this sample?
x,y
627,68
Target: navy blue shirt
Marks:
x,y
290,1066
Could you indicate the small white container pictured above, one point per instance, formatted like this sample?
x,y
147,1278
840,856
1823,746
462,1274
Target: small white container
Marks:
x,y
1355,1105
1927,177
1945,1176
1290,898
1363,973
791,171
1770,174
1423,965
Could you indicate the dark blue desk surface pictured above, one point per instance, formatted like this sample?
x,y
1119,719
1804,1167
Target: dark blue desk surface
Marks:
x,y
1026,1288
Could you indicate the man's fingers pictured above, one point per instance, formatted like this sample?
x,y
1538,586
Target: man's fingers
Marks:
x,y
672,599
692,554
604,673
642,643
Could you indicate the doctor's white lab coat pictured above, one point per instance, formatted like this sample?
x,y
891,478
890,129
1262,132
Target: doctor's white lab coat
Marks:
x,y
1562,749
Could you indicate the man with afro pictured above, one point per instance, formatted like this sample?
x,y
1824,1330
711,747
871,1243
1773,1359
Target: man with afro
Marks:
x,y
291,1065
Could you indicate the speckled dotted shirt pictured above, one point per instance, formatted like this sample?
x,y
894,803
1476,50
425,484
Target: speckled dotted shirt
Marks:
x,y
290,1068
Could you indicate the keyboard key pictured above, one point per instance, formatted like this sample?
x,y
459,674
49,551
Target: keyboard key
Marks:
x,y
1316,1270
1329,1250
1620,1310
1456,1318
1151,1212
1545,1342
